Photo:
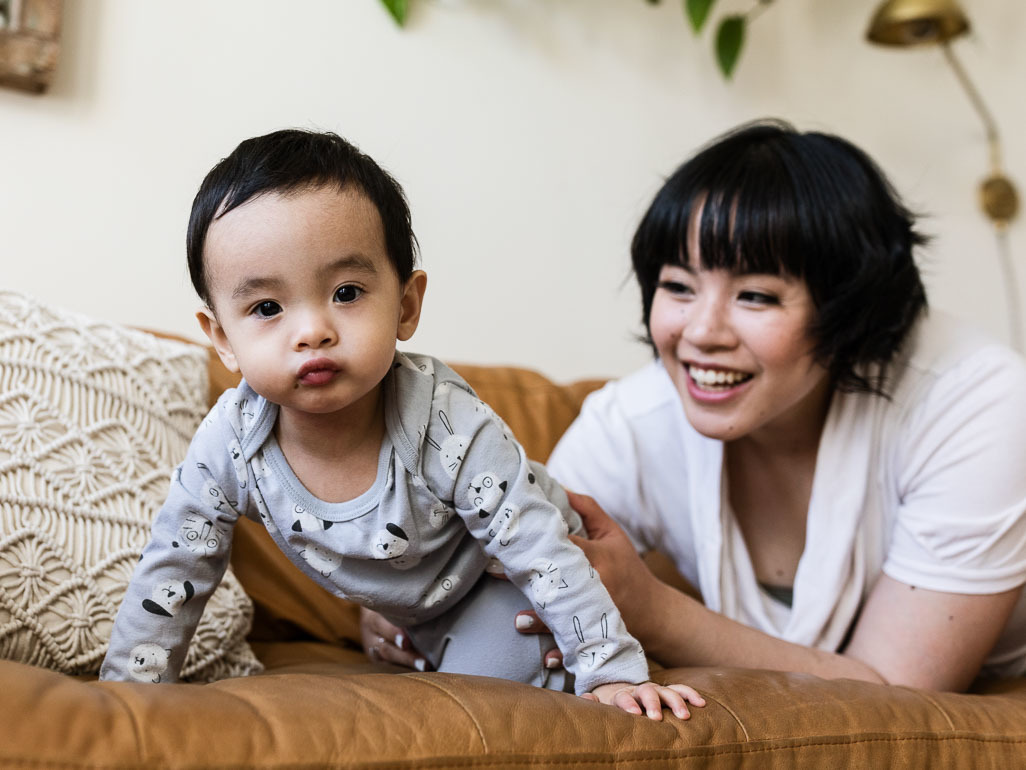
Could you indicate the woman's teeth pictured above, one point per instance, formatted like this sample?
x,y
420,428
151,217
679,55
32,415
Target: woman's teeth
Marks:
x,y
716,379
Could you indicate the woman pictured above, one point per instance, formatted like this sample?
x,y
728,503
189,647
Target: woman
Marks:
x,y
840,474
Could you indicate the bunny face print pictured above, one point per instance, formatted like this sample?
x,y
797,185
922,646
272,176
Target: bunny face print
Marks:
x,y
595,647
452,449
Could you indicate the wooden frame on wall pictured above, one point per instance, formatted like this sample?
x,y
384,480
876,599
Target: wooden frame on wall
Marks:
x,y
29,43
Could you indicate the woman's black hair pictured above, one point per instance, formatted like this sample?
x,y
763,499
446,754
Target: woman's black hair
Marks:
x,y
290,160
807,205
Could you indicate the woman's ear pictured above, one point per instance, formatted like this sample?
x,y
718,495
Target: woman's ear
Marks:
x,y
410,304
215,333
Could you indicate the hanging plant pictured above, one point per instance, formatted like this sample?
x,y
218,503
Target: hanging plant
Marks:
x,y
730,32
398,9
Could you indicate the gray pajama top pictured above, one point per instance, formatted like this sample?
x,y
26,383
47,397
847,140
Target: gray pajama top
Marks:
x,y
453,490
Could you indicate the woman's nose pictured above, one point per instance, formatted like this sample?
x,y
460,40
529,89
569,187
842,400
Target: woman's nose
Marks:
x,y
708,324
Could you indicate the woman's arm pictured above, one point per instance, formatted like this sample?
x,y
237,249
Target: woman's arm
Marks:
x,y
904,636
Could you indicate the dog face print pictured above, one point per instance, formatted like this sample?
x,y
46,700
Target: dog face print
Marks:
x,y
485,492
593,651
442,588
168,597
216,498
505,524
147,662
452,449
321,559
307,522
440,515
259,466
545,581
390,542
265,513
199,535
238,463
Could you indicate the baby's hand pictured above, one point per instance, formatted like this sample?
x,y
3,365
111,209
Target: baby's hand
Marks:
x,y
631,698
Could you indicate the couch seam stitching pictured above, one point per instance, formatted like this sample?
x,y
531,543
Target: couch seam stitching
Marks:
x,y
649,755
730,711
929,699
464,709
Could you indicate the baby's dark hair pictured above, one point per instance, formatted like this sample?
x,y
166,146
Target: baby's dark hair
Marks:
x,y
288,161
807,205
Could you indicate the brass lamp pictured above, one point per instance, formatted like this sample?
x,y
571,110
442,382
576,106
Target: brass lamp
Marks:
x,y
918,22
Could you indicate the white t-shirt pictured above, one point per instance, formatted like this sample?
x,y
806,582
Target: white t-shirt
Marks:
x,y
928,486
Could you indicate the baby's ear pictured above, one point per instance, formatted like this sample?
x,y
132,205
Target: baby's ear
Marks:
x,y
215,333
410,304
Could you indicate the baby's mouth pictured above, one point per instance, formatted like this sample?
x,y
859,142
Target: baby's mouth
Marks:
x,y
317,372
717,379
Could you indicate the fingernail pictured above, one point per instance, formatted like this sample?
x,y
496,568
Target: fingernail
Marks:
x,y
524,622
399,639
420,664
552,662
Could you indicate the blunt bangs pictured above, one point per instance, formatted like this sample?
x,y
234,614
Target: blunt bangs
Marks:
x,y
810,206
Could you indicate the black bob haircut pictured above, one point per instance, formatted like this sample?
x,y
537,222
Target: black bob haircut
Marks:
x,y
806,205
290,161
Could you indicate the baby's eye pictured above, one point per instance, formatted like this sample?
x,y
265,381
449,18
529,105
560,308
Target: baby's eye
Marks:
x,y
267,309
348,293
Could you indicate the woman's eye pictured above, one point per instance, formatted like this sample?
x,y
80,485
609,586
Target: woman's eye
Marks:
x,y
267,309
348,293
674,287
758,298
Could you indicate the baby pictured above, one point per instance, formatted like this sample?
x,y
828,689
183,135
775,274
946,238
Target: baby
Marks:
x,y
379,474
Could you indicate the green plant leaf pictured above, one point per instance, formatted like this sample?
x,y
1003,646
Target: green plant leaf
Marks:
x,y
730,38
398,9
697,12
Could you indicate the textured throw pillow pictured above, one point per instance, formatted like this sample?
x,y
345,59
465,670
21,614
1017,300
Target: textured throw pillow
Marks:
x,y
93,417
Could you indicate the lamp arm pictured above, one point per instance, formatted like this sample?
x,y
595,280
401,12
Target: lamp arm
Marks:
x,y
989,124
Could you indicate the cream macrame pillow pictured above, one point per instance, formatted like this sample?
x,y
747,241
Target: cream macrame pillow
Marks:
x,y
93,417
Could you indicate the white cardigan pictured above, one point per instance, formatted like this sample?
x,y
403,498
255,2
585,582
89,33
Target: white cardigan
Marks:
x,y
928,486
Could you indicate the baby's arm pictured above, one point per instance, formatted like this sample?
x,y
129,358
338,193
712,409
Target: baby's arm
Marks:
x,y
502,499
180,567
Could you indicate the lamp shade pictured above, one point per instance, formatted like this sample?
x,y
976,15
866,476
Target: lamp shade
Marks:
x,y
914,22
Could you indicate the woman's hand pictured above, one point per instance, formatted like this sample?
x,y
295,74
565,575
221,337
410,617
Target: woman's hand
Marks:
x,y
385,642
611,552
648,695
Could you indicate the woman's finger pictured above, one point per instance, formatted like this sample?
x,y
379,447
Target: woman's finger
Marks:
x,y
596,521
385,642
528,622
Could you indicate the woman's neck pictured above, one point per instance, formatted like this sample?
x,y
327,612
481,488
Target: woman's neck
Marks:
x,y
796,433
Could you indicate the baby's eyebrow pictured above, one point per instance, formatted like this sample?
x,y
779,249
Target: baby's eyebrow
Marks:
x,y
269,284
249,286
355,262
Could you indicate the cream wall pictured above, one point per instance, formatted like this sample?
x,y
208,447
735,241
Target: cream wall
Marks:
x,y
529,134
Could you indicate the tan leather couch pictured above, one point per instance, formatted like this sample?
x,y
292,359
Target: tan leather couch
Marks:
x,y
321,704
